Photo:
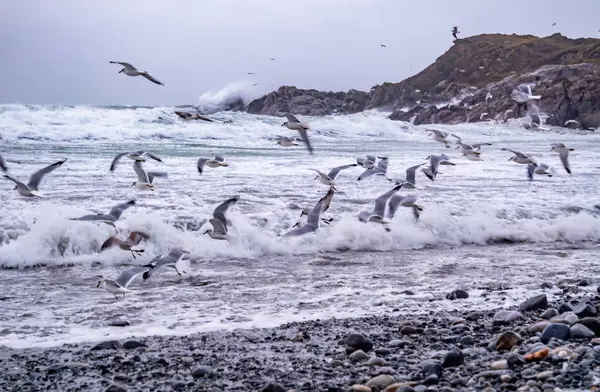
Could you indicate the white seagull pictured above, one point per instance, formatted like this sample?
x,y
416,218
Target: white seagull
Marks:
x,y
380,169
410,181
31,189
312,223
141,156
302,128
217,161
520,157
328,179
145,179
563,154
130,70
120,284
542,168
434,162
113,215
441,136
378,214
219,221
175,259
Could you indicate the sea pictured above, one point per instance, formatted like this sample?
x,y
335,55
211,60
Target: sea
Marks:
x,y
484,227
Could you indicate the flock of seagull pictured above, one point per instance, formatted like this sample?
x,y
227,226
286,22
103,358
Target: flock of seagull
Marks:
x,y
384,209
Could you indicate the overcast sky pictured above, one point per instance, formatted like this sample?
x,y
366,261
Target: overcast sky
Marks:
x,y
57,51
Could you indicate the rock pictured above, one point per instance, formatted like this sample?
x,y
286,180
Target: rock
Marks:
x,y
179,386
537,327
506,316
202,371
555,330
453,358
565,307
132,344
357,356
493,373
360,388
431,366
514,359
584,309
357,341
381,382
187,360
457,294
534,303
549,313
545,375
399,387
375,361
501,364
273,387
56,368
466,341
382,351
592,323
565,318
432,379
397,343
507,340
546,285
580,331
408,330
119,323
115,388
107,345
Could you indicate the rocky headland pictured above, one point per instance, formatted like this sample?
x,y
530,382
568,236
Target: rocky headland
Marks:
x,y
472,82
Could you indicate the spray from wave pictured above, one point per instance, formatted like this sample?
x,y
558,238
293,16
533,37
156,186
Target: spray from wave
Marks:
x,y
234,96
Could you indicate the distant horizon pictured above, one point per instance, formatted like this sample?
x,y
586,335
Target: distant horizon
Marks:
x,y
58,52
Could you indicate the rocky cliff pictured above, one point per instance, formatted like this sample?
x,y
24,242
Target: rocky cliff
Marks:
x,y
470,70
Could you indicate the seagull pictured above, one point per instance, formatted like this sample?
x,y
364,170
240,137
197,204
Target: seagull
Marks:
x,y
563,154
378,213
380,169
136,156
145,179
255,84
473,155
441,136
250,73
135,237
488,96
286,141
295,124
312,223
404,201
434,162
31,189
219,221
326,203
470,148
455,31
328,179
410,179
382,45
554,24
113,215
119,285
542,168
368,162
3,164
215,162
272,58
520,157
175,259
523,94
130,70
572,124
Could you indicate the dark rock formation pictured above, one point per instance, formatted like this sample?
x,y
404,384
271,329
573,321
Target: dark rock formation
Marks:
x,y
567,73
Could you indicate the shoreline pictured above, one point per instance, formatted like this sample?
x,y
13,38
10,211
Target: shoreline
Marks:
x,y
439,351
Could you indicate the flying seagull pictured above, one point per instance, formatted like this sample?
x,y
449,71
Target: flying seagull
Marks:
x,y
3,164
135,237
250,73
377,215
326,203
145,178
295,124
175,260
455,32
328,179
521,158
368,162
272,58
383,45
563,154
215,162
380,169
542,168
31,189
434,162
219,221
119,285
130,70
312,223
136,156
410,179
441,136
113,215
554,24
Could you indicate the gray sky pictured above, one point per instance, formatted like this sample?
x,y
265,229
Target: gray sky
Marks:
x,y
57,51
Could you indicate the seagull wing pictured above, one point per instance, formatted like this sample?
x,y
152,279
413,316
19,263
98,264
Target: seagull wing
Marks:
x,y
530,171
371,158
517,153
564,158
315,214
150,155
382,165
141,173
411,173
381,201
219,158
201,163
327,199
126,65
291,118
116,211
3,164
218,226
36,178
150,78
127,276
153,175
219,212
366,173
304,135
393,205
115,161
334,172
135,237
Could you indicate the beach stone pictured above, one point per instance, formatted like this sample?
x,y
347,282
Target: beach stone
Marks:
x,y
453,358
514,359
107,345
546,285
397,343
179,386
565,307
534,303
537,327
381,382
473,316
506,316
549,313
375,361
545,375
382,351
202,371
408,330
357,341
273,387
115,388
432,379
584,309
507,340
565,318
580,331
400,387
467,341
119,323
431,366
132,344
555,330
360,388
592,323
457,294
497,365
358,355
493,373
187,360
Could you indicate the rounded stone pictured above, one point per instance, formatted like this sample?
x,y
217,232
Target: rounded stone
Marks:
x,y
555,330
357,341
202,371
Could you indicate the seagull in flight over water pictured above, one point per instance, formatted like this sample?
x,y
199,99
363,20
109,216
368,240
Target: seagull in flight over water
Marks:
x,y
130,70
